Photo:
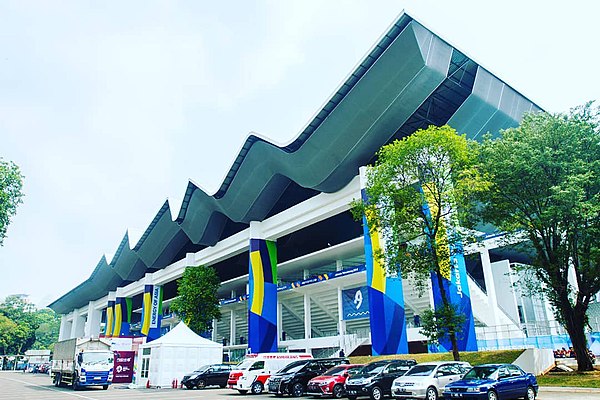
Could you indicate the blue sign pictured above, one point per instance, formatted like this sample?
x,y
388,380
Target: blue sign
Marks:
x,y
355,303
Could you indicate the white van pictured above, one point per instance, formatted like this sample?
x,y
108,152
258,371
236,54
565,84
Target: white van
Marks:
x,y
252,373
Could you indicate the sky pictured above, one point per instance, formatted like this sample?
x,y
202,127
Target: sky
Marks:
x,y
110,107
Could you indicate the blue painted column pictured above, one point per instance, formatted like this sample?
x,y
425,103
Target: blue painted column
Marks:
x,y
386,296
262,297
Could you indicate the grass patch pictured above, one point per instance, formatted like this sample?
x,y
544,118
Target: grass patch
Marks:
x,y
573,379
473,357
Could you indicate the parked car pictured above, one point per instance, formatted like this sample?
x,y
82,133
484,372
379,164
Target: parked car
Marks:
x,y
493,382
331,383
208,375
293,378
428,380
375,379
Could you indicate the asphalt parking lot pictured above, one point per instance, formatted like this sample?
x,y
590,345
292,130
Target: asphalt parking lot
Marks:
x,y
18,385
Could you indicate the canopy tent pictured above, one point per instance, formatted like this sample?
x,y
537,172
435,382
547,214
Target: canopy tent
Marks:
x,y
171,356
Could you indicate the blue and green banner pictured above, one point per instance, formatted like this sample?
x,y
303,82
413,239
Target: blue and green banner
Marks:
x,y
262,299
453,272
386,299
151,312
122,317
110,319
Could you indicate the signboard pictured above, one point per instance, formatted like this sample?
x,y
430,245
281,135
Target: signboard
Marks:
x,y
355,303
123,372
155,306
121,344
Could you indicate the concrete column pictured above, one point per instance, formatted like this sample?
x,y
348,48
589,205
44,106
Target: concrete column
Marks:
x,y
92,325
232,332
339,265
307,321
65,328
214,330
78,327
341,322
279,320
490,286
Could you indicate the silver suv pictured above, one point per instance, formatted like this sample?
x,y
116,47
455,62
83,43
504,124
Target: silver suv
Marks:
x,y
427,380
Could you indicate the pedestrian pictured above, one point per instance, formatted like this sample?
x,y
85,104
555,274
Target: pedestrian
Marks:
x,y
342,354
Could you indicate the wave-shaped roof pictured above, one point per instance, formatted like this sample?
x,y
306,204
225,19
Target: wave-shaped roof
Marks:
x,y
409,80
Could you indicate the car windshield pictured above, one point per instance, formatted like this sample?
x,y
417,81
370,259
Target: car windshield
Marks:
x,y
483,372
202,369
372,369
98,358
335,371
420,370
244,364
293,367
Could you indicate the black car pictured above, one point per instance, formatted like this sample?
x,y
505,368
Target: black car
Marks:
x,y
293,378
375,379
208,375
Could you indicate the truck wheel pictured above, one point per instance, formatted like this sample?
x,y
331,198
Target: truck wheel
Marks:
x,y
105,387
257,388
76,383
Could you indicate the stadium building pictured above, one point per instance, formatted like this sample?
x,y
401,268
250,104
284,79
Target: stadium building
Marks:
x,y
297,270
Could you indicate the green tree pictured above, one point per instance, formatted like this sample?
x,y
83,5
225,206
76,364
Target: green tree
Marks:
x,y
546,185
417,192
22,313
7,328
48,327
197,303
11,182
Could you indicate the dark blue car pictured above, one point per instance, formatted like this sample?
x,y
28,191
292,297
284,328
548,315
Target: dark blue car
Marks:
x,y
493,382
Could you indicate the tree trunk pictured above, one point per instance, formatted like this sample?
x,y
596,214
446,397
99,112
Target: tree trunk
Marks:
x,y
446,303
455,353
575,322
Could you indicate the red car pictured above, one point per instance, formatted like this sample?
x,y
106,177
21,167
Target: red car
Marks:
x,y
331,383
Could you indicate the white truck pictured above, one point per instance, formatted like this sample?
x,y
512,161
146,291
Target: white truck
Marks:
x,y
82,362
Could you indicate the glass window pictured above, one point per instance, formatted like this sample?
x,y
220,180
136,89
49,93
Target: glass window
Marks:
x,y
482,372
421,370
146,351
145,367
257,365
514,371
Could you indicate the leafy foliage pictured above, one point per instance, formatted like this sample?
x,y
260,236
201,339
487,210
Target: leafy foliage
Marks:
x,y
545,184
11,182
198,304
419,190
23,327
441,323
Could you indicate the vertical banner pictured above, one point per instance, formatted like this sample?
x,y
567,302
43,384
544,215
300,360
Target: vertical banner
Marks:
x,y
262,300
110,317
355,303
123,368
386,296
455,284
151,312
122,317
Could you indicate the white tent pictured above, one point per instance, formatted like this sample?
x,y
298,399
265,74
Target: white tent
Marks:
x,y
175,354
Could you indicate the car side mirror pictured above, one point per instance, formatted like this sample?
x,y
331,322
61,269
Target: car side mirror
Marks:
x,y
346,374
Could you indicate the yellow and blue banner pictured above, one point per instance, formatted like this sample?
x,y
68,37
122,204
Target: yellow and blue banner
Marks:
x,y
456,286
110,318
386,299
262,299
151,312
122,317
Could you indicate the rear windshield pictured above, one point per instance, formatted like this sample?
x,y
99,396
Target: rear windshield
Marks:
x,y
420,370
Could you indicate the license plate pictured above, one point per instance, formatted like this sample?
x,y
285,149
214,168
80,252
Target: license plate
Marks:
x,y
456,394
97,378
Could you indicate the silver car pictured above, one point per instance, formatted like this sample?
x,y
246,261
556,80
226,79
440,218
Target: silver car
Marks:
x,y
427,380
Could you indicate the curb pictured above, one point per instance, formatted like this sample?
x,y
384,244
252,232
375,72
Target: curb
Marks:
x,y
568,389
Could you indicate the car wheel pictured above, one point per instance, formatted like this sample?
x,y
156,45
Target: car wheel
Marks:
x,y
223,386
530,393
338,391
243,391
351,397
431,393
492,395
257,388
201,384
376,393
297,389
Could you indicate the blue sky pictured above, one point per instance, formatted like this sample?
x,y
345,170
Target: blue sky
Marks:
x,y
110,107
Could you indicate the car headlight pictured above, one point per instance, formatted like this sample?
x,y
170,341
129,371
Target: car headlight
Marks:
x,y
82,371
323,383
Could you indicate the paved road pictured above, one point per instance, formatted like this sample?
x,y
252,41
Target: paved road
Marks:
x,y
18,385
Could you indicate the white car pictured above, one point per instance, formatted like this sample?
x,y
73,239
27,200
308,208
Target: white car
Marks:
x,y
427,380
